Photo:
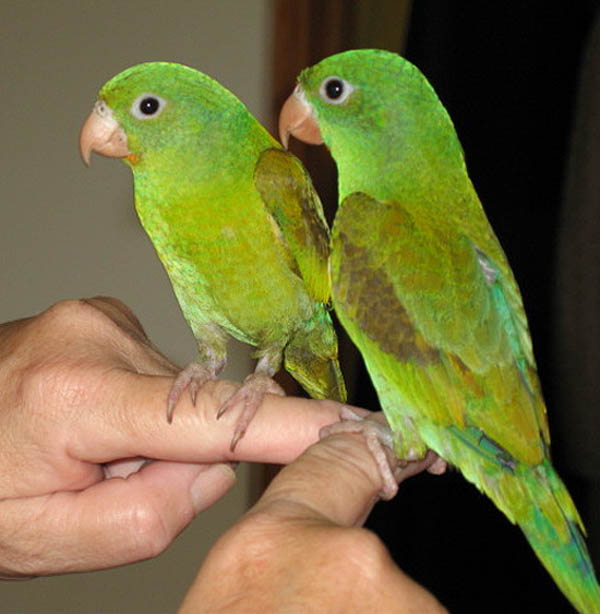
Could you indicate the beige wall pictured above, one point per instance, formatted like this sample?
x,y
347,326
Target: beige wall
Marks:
x,y
68,232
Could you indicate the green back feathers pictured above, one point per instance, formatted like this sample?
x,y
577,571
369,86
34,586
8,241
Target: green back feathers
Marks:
x,y
423,288
445,337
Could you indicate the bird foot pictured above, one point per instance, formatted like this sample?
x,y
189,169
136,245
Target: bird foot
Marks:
x,y
379,437
438,466
193,377
249,396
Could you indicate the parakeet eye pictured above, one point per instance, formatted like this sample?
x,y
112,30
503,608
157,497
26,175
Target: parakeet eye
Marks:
x,y
335,90
147,106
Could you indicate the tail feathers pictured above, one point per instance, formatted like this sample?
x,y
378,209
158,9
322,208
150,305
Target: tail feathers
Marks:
x,y
555,532
311,358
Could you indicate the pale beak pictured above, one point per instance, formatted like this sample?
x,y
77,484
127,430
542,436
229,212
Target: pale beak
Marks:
x,y
296,118
101,133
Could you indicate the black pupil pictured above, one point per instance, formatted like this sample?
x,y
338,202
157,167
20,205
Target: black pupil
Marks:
x,y
334,89
149,106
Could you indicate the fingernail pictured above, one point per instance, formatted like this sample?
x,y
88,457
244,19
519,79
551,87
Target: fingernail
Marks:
x,y
199,489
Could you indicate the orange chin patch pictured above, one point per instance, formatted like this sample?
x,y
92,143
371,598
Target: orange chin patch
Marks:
x,y
133,159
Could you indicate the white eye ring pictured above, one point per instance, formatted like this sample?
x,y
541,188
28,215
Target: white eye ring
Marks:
x,y
147,106
335,90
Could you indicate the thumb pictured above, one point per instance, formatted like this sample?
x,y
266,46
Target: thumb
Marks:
x,y
114,522
336,479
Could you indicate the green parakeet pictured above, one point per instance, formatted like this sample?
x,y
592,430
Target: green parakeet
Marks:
x,y
235,221
421,284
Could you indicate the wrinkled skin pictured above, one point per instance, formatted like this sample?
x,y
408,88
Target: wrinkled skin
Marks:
x,y
301,548
82,387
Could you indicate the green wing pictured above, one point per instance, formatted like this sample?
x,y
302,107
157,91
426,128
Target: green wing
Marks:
x,y
439,319
291,200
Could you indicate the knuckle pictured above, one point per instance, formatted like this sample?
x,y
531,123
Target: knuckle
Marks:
x,y
68,311
71,316
248,545
36,382
363,550
149,531
42,383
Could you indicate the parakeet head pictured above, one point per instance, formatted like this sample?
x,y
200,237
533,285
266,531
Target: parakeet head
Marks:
x,y
373,109
161,113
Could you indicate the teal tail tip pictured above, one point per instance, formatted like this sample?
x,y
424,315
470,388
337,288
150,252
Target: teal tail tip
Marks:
x,y
563,552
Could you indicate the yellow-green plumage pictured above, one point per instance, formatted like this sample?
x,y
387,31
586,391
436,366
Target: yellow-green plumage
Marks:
x,y
246,255
424,289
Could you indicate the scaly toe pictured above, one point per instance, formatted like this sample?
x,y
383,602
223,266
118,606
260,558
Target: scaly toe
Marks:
x,y
193,377
249,396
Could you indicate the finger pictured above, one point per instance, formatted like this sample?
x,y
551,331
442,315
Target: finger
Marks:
x,y
110,404
145,356
336,479
118,311
114,522
132,422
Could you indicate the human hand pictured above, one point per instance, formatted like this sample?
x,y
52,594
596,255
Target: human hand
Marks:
x,y
301,548
82,389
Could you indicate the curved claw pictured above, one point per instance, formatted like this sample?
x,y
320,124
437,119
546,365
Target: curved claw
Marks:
x,y
378,437
193,377
250,395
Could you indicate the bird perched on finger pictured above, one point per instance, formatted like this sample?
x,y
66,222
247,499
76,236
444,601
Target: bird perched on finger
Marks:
x,y
424,289
234,220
